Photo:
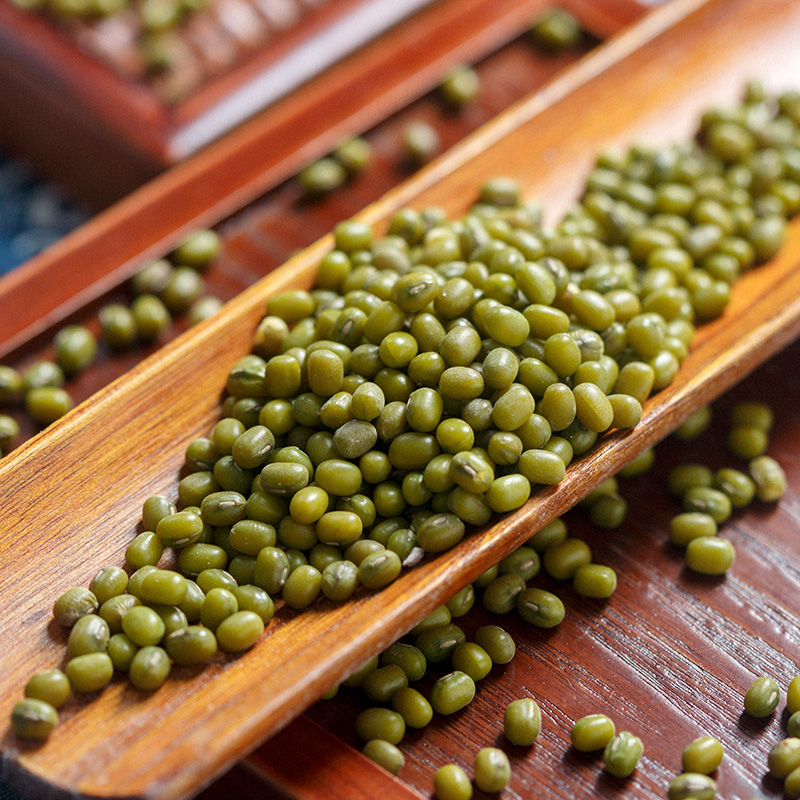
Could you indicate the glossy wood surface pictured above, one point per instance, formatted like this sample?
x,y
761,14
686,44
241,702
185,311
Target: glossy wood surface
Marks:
x,y
353,96
254,695
668,657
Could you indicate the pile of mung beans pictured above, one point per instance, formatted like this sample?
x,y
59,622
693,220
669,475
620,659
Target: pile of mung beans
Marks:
x,y
431,380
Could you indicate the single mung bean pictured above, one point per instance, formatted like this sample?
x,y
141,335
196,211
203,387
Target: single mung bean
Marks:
x,y
753,415
784,757
497,642
33,719
694,424
192,645
692,786
592,732
551,534
500,596
450,782
703,755
709,555
381,684
90,672
791,784
793,695
708,501
540,608
121,650
46,404
683,528
380,723
622,754
302,587
88,635
524,561
163,587
74,604
413,707
239,631
385,754
438,643
50,685
472,659
492,770
143,626
747,442
739,487
420,142
408,657
562,560
149,668
10,385
522,722
769,478
762,697
594,580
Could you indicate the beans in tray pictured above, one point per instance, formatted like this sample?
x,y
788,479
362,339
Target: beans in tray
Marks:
x,y
432,380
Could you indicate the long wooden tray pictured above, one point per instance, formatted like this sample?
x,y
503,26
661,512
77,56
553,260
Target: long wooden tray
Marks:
x,y
81,483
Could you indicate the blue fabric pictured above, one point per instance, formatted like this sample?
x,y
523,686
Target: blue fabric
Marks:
x,y
33,215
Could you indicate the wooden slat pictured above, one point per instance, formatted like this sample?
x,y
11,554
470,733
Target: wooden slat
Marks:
x,y
137,427
313,764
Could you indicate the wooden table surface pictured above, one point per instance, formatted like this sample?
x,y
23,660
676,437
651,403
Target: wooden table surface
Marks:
x,y
669,656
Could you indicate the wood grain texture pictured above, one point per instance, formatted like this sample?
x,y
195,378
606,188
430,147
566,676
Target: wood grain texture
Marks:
x,y
668,657
353,96
127,443
310,762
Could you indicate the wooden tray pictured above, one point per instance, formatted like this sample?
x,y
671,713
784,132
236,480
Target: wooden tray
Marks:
x,y
101,135
228,71
612,91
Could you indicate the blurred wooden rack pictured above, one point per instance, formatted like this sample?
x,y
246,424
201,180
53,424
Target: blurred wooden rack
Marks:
x,y
102,133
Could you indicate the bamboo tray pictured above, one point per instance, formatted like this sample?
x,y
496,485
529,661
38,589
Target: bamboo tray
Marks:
x,y
612,92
